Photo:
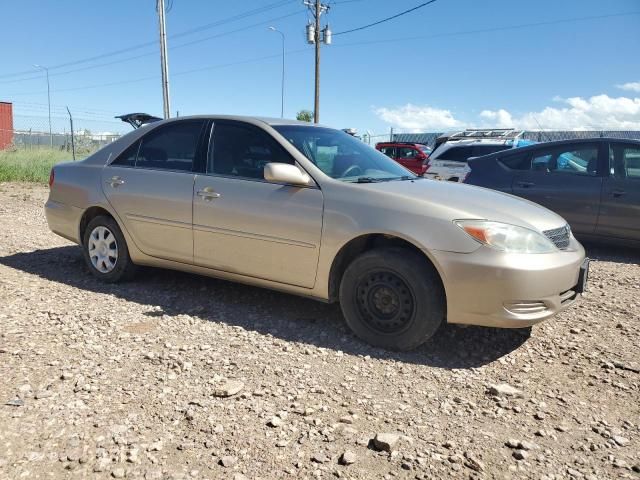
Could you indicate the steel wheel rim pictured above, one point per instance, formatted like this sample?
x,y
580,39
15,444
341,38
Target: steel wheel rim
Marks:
x,y
103,249
385,302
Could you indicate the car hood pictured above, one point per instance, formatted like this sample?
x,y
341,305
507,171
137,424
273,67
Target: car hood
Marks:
x,y
457,201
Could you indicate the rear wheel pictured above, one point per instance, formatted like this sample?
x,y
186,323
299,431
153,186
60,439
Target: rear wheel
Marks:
x,y
105,251
392,298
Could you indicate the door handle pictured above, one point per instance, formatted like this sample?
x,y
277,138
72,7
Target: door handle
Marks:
x,y
115,181
525,184
618,193
207,194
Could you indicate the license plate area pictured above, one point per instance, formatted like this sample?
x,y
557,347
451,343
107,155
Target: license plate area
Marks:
x,y
583,277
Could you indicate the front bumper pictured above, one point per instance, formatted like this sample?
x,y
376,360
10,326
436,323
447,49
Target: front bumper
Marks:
x,y
496,289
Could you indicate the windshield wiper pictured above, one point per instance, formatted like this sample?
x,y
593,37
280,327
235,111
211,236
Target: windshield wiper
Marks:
x,y
367,180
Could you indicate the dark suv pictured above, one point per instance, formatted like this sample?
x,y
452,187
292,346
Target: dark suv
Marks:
x,y
413,156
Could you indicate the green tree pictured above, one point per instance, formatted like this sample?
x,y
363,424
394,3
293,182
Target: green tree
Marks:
x,y
304,116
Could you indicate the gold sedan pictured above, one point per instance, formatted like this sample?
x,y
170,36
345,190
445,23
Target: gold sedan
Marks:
x,y
313,211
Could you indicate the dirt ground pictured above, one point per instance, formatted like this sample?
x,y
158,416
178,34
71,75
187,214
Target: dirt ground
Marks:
x,y
179,376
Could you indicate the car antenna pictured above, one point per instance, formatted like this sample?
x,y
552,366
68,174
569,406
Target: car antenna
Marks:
x,y
540,127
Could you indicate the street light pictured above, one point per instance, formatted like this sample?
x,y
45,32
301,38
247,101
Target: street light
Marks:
x,y
274,29
48,101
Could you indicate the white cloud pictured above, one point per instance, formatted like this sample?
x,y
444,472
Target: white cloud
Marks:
x,y
593,113
599,112
630,86
418,118
499,118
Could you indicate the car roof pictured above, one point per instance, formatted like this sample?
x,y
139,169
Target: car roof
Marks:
x,y
555,143
402,143
559,143
244,118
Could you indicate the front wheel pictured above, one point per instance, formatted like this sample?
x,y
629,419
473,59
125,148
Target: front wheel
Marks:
x,y
392,298
105,251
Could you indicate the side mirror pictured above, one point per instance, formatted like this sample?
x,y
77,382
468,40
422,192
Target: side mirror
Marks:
x,y
286,173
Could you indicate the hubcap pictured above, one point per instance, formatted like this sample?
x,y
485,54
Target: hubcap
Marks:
x,y
385,302
103,249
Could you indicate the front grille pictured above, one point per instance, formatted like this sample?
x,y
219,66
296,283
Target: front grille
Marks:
x,y
559,236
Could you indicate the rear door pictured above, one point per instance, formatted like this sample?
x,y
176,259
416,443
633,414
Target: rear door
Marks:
x,y
150,187
567,179
620,211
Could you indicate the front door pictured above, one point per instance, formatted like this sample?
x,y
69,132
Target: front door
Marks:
x,y
242,223
150,187
410,159
620,211
567,180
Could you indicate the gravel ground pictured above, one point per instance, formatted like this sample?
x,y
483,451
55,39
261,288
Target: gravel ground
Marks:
x,y
180,376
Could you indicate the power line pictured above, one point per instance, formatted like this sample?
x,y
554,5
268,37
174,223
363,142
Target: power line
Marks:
x,y
173,47
390,40
487,30
387,19
234,18
175,74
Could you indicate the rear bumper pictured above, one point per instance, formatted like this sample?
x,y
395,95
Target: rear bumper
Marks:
x,y
63,220
495,289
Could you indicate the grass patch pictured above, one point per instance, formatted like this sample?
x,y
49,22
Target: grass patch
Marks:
x,y
30,165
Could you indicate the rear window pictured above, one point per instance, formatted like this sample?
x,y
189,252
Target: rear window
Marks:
x,y
463,153
456,154
480,150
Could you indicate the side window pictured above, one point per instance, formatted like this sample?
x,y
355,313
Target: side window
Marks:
x,y
517,162
243,151
456,154
573,160
172,147
540,162
388,151
128,157
407,152
627,161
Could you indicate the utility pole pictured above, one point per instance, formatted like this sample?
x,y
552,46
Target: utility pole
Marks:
x,y
40,67
163,59
316,35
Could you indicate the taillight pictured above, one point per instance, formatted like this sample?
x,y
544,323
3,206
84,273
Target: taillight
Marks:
x,y
52,177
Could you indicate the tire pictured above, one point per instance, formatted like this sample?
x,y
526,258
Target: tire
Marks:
x,y
104,236
392,298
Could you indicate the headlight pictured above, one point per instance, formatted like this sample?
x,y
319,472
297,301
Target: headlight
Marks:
x,y
505,237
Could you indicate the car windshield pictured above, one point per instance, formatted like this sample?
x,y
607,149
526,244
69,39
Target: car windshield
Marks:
x,y
343,157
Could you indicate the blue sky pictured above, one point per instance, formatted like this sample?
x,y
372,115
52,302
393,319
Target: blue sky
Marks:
x,y
451,64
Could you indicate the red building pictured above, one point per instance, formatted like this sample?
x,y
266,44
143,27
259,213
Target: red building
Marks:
x,y
6,124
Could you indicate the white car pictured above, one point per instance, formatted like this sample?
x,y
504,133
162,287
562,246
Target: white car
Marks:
x,y
448,161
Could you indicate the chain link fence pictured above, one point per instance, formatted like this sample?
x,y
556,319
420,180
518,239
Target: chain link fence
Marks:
x,y
31,132
536,135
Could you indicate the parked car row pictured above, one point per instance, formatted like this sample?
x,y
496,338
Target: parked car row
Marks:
x,y
448,159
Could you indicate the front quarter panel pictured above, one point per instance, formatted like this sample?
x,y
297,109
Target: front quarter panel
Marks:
x,y
351,212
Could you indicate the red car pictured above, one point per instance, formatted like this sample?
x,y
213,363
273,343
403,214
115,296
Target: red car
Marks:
x,y
413,156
